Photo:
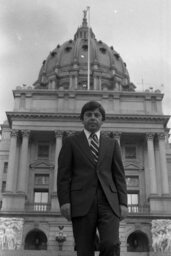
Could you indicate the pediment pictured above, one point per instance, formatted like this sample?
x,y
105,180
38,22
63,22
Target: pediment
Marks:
x,y
133,165
40,164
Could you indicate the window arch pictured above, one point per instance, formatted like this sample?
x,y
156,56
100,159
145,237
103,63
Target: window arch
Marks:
x,y
137,242
35,240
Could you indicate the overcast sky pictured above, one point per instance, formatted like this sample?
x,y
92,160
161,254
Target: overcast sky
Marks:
x,y
140,30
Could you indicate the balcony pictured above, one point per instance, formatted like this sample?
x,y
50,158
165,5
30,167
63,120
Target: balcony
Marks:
x,y
38,207
138,209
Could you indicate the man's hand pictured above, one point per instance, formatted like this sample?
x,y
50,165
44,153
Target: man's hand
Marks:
x,y
124,211
66,211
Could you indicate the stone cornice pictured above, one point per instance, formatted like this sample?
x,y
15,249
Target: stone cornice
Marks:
x,y
30,92
75,117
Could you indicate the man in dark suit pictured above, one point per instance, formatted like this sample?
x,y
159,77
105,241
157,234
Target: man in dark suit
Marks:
x,y
91,185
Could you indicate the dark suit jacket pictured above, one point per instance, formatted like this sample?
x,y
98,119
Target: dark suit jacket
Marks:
x,y
78,174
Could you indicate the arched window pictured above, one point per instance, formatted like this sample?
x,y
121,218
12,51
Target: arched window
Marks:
x,y
36,240
137,242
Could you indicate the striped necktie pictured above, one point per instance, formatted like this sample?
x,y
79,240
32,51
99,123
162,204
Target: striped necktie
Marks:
x,y
94,146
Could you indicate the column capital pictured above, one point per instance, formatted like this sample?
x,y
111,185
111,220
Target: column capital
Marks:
x,y
161,136
14,133
25,133
69,133
106,133
117,135
58,133
150,136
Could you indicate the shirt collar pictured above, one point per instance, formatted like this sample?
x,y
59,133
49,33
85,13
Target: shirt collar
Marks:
x,y
87,133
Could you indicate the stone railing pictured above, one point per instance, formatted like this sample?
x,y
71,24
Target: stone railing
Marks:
x,y
136,209
37,207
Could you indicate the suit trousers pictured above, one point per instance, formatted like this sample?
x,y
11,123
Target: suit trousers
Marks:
x,y
99,217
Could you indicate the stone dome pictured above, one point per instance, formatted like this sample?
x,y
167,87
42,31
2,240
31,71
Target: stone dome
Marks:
x,y
66,65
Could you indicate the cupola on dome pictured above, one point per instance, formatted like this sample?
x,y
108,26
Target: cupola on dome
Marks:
x,y
66,67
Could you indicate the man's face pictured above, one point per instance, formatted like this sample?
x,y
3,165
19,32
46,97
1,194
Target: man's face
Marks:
x,y
92,120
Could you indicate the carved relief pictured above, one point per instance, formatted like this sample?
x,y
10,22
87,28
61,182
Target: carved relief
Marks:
x,y
161,235
11,233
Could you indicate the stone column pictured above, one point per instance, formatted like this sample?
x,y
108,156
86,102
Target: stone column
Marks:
x,y
163,164
117,136
76,82
95,85
1,174
151,163
23,162
58,135
117,86
11,186
54,201
52,82
70,81
100,83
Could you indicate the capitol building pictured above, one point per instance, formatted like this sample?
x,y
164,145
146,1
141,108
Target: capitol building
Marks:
x,y
48,111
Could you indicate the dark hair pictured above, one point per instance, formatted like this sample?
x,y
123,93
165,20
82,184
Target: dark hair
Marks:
x,y
90,106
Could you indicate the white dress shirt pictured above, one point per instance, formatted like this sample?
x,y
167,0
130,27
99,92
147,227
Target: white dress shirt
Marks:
x,y
87,134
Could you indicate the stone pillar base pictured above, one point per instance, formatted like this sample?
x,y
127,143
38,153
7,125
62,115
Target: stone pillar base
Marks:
x,y
13,201
160,204
54,203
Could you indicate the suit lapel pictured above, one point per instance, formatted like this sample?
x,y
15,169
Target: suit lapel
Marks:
x,y
102,148
84,147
